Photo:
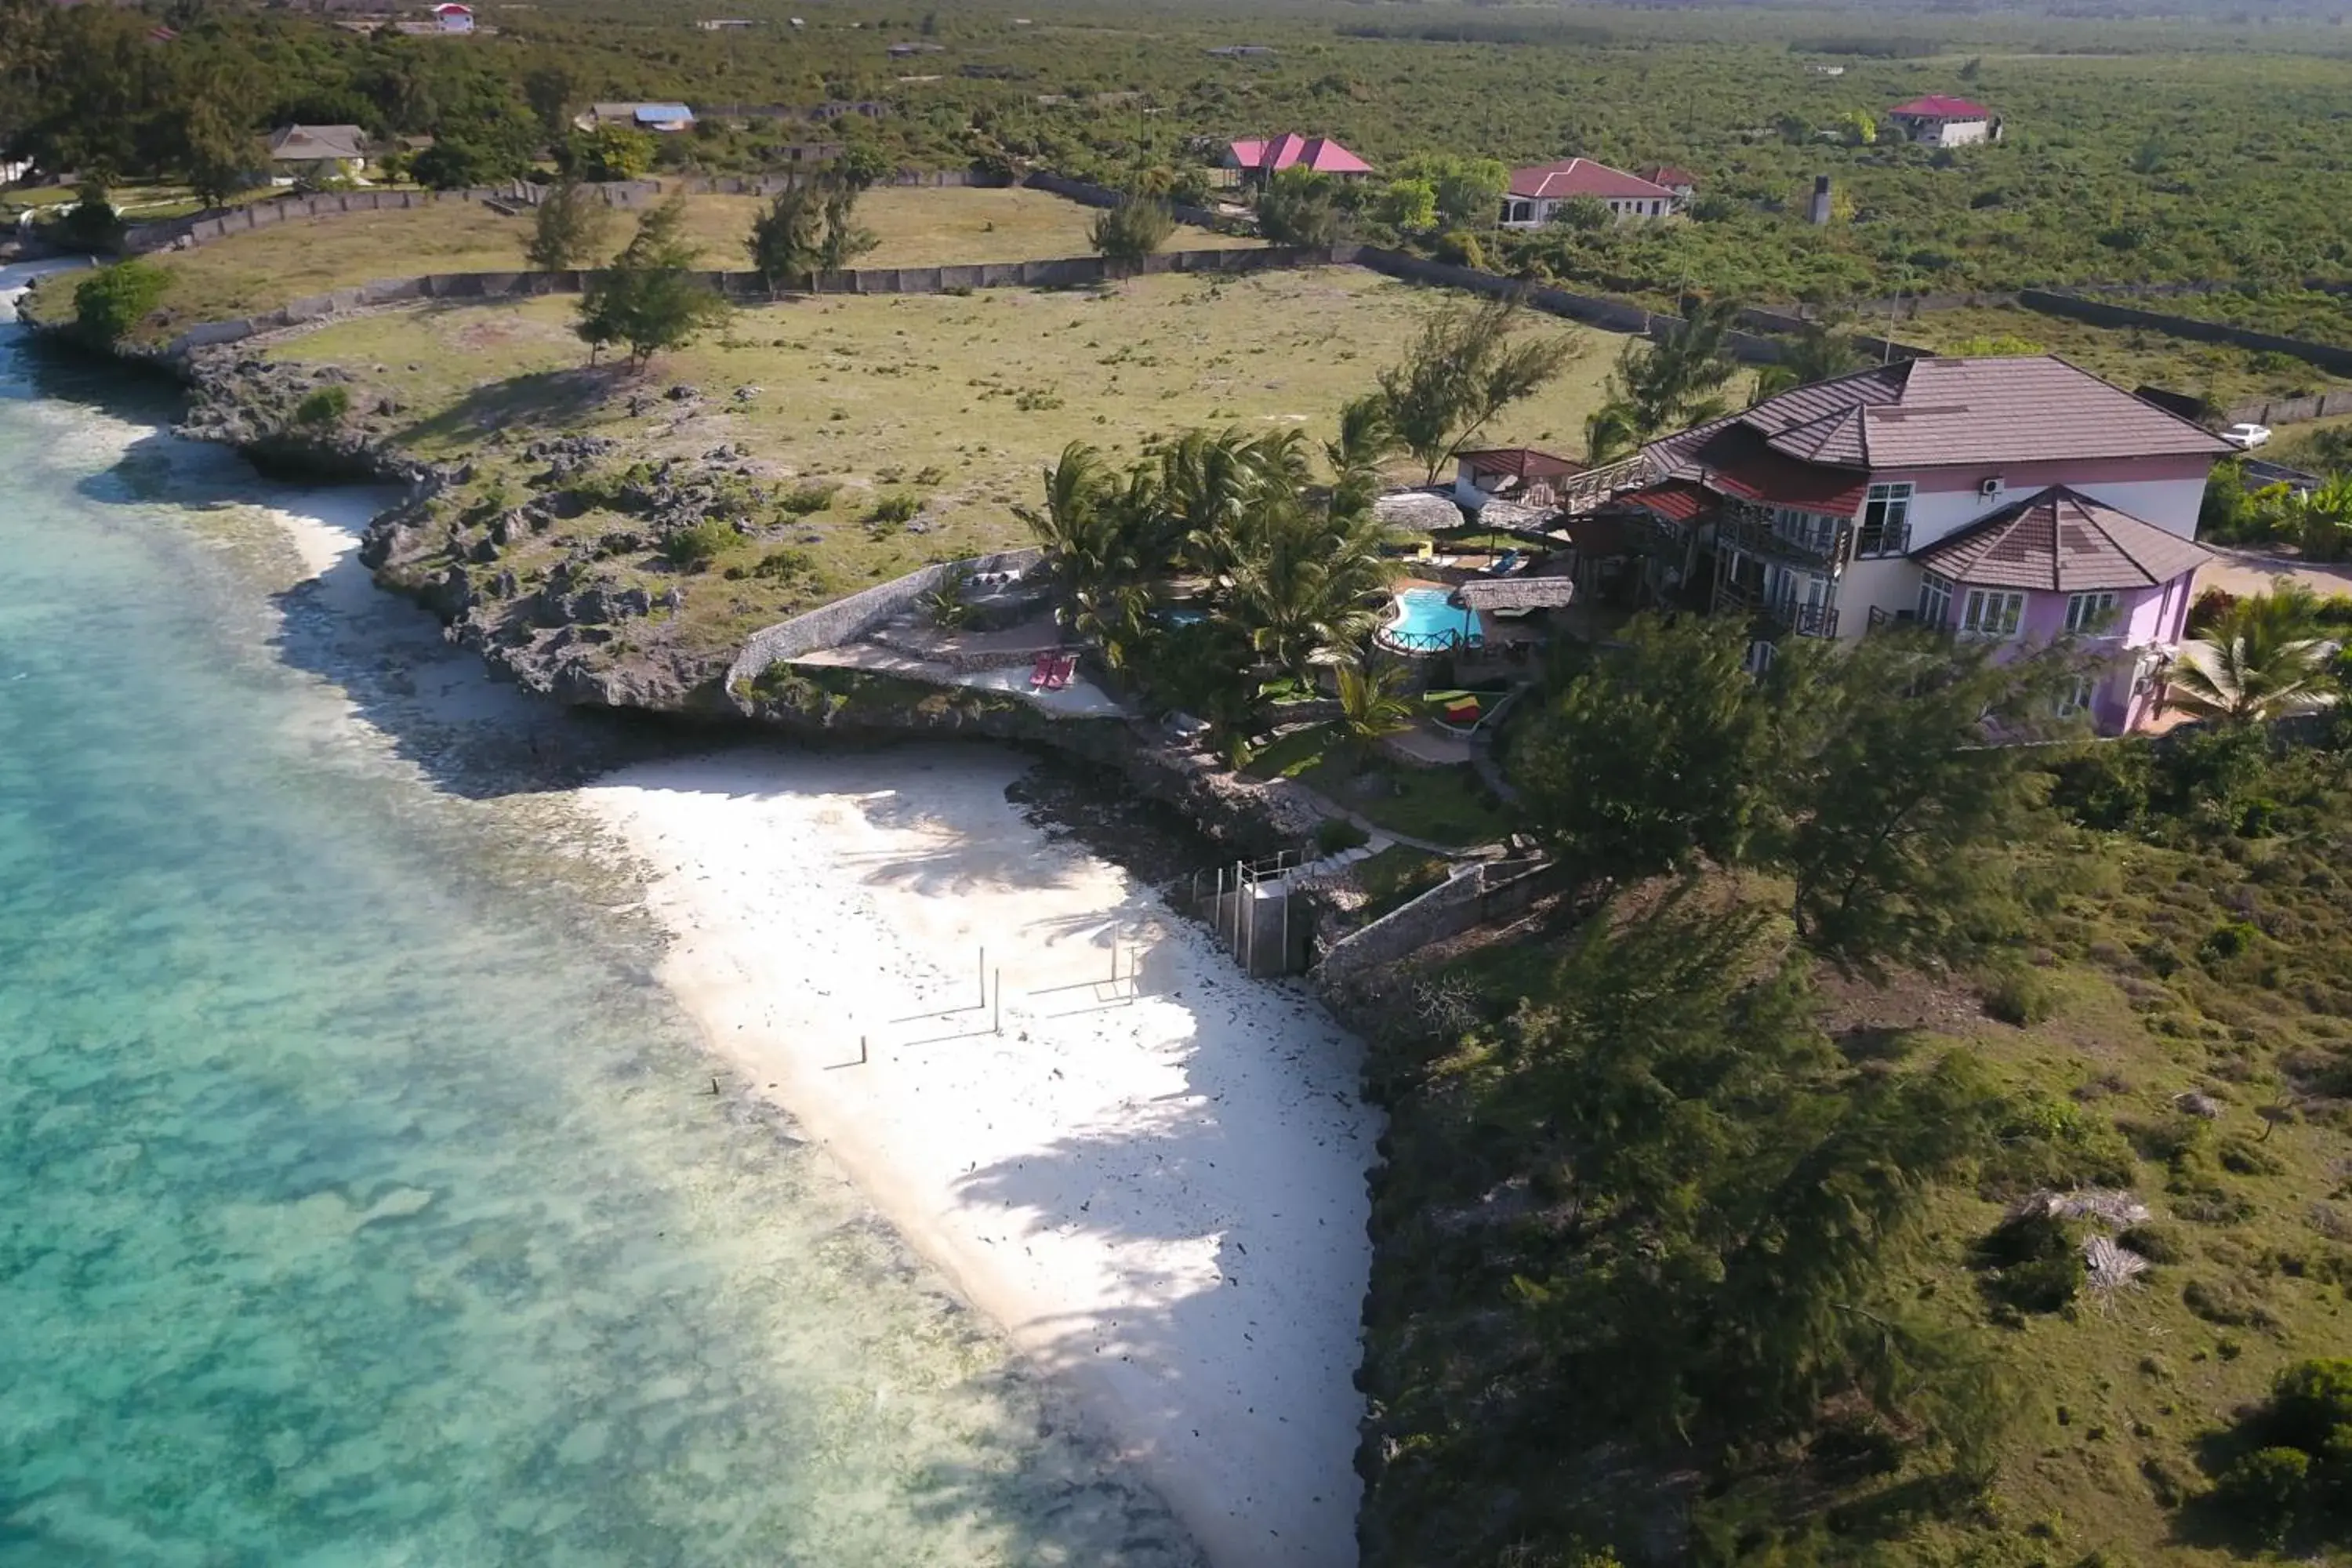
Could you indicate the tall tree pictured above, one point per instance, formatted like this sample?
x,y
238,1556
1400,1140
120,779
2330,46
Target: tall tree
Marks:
x,y
1468,363
1677,378
551,90
1296,208
783,243
569,230
222,157
649,299
1820,354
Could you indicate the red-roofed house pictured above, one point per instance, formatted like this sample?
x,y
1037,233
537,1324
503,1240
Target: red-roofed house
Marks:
x,y
2016,499
1941,122
453,17
1255,160
1536,196
1681,181
1512,473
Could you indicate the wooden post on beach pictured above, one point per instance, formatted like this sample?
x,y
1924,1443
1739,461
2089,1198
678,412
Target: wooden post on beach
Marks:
x,y
983,977
861,1051
997,1017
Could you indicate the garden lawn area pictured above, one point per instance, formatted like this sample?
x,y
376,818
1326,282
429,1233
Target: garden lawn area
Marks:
x,y
240,274
962,401
2128,356
1443,805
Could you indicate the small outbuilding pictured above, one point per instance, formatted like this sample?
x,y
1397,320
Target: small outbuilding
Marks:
x,y
344,146
453,18
1937,120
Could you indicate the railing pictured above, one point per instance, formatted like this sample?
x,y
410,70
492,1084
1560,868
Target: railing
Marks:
x,y
1882,542
1779,616
1428,642
1582,492
1756,536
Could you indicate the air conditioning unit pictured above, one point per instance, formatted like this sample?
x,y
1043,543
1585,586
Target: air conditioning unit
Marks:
x,y
1989,490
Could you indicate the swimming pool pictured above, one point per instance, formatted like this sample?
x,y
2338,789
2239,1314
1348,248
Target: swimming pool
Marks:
x,y
1428,622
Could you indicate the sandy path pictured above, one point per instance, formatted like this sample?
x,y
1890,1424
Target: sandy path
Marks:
x,y
1156,1184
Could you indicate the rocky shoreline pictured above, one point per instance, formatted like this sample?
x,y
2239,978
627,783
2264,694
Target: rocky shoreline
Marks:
x,y
586,640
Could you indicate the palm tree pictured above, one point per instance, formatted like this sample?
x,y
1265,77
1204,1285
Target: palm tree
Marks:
x,y
2261,660
1094,536
1373,702
1305,579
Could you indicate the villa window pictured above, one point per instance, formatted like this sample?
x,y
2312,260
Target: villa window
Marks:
x,y
1810,530
2078,697
1935,600
1992,613
2090,614
1885,521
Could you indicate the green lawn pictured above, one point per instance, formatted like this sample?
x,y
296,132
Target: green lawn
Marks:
x,y
1444,806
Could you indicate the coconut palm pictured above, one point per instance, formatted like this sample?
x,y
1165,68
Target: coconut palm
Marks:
x,y
2260,659
1096,538
1373,702
1305,579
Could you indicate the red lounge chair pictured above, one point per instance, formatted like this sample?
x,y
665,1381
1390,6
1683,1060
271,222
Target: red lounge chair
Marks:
x,y
1063,668
1041,674
1462,713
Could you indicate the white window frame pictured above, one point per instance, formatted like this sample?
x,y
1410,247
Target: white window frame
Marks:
x,y
1893,501
2079,697
1996,614
2090,614
1936,592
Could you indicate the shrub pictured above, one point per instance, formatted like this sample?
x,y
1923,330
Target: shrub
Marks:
x,y
1334,835
691,549
807,497
2036,1262
1460,247
783,561
2266,1487
894,510
2311,1404
2157,1242
324,405
112,301
2021,996
2226,941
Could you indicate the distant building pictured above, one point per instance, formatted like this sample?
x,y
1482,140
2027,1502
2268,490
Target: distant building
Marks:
x,y
1939,122
344,146
662,116
452,17
909,49
1255,160
1241,51
1682,181
1536,196
726,25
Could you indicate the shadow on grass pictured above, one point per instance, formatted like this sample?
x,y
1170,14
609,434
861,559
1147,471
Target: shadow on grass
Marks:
x,y
539,401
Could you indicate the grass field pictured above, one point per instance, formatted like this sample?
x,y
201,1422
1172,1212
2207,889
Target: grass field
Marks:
x,y
240,274
960,400
2127,356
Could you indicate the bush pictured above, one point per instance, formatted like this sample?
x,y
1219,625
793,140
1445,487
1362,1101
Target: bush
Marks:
x,y
2021,996
895,509
2035,1262
1334,835
2156,1242
1460,247
2226,941
782,562
2266,1487
324,405
112,301
2311,1404
691,549
807,497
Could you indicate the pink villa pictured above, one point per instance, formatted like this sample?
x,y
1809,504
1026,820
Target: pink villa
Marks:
x,y
2018,499
1255,160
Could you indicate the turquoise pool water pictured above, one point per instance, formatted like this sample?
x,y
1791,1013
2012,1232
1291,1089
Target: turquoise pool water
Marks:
x,y
361,1200
1425,620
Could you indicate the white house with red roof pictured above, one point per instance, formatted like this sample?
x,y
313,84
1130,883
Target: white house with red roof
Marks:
x,y
1536,196
2015,498
454,18
1255,160
1937,120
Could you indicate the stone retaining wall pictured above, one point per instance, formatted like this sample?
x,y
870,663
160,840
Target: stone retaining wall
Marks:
x,y
1482,891
2104,313
845,620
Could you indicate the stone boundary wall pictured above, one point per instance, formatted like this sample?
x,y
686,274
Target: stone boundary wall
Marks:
x,y
2290,410
830,625
2102,313
1478,892
1066,272
139,239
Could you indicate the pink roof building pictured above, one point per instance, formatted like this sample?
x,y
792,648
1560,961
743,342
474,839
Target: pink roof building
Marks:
x,y
1259,158
1536,195
1942,122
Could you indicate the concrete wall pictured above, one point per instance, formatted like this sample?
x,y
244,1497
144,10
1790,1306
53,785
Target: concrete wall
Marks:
x,y
2102,313
844,620
1476,893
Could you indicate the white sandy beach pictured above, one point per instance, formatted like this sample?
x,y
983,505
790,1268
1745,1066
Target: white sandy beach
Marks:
x,y
1156,1183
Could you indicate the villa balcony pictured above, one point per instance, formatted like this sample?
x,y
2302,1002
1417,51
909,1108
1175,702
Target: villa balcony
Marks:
x,y
1753,534
1777,617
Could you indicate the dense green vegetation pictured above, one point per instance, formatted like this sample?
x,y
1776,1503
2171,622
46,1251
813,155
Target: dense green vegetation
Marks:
x,y
1940,1192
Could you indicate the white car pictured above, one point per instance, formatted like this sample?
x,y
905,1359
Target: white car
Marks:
x,y
2246,437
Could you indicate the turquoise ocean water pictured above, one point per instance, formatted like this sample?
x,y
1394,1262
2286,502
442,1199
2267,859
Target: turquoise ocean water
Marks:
x,y
361,1201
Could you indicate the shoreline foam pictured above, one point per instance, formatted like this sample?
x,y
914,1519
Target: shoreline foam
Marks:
x,y
1155,1185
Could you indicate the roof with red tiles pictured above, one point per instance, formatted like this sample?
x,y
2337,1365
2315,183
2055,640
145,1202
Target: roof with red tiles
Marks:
x,y
1290,150
1731,460
1581,177
2062,541
1937,106
1676,500
1520,462
1669,175
1934,413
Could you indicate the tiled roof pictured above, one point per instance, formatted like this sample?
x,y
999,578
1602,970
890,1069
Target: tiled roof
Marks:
x,y
312,143
1676,500
1290,150
1579,177
2065,542
1521,462
1731,460
1669,174
1936,106
1932,412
